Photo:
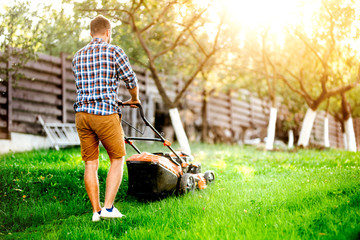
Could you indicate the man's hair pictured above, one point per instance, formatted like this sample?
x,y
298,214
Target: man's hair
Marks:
x,y
99,25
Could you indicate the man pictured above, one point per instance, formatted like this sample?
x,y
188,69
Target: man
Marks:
x,y
98,69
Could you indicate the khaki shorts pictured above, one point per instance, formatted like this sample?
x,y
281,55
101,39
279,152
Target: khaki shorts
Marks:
x,y
94,128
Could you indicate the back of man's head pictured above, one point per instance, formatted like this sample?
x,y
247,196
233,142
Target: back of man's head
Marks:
x,y
99,25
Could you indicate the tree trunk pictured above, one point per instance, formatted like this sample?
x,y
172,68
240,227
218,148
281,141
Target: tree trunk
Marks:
x,y
291,139
179,130
271,129
306,128
350,135
326,132
159,86
348,124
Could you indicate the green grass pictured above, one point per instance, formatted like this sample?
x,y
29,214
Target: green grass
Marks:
x,y
257,195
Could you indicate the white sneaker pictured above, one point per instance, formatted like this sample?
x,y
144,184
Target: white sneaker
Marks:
x,y
113,214
96,217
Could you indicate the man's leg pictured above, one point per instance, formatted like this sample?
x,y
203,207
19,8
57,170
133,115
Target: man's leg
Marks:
x,y
111,135
113,181
92,183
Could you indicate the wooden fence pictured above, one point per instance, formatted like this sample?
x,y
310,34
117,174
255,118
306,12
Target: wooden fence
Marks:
x,y
44,87
47,88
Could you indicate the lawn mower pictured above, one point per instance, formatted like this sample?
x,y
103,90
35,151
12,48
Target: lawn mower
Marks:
x,y
157,175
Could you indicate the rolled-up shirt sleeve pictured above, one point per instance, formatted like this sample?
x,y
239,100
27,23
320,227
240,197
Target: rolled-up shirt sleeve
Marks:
x,y
124,69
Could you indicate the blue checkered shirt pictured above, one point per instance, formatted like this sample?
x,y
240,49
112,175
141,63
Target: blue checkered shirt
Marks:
x,y
98,69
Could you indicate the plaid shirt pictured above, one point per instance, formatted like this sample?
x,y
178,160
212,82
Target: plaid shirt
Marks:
x,y
97,69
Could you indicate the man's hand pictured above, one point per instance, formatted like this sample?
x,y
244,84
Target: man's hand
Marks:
x,y
131,102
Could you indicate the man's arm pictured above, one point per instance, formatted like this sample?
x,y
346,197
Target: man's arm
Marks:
x,y
134,92
126,74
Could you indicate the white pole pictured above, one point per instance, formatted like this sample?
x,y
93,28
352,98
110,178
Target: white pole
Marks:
x,y
271,129
326,132
350,135
307,127
291,139
179,130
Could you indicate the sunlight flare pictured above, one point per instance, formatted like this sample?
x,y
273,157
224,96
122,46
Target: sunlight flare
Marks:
x,y
274,14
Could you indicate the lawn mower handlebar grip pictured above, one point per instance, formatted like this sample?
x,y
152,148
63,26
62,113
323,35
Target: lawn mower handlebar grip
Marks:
x,y
138,105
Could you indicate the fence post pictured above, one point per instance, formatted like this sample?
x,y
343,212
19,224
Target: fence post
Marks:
x,y
251,110
339,137
9,109
230,102
63,86
150,112
147,83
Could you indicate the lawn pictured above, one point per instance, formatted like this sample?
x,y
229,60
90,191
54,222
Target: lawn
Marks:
x,y
257,195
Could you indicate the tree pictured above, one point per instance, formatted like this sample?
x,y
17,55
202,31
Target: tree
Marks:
x,y
269,73
56,38
162,21
255,60
27,31
327,65
164,30
17,30
221,73
341,109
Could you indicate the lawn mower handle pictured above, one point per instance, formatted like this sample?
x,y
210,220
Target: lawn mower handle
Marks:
x,y
138,105
147,123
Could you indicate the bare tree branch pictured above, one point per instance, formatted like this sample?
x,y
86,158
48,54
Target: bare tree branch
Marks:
x,y
301,84
341,89
151,65
148,9
199,68
308,100
218,34
161,15
140,37
308,45
134,7
265,60
176,42
332,27
336,91
267,76
190,80
197,43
